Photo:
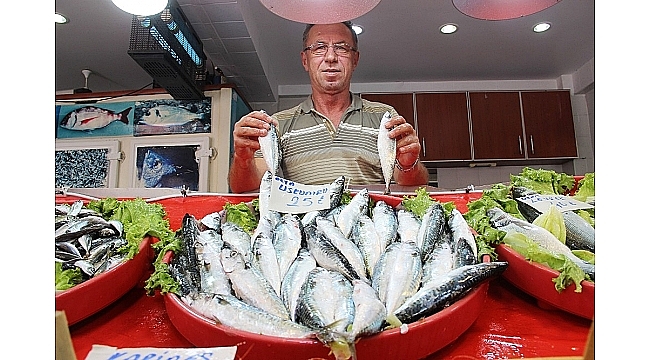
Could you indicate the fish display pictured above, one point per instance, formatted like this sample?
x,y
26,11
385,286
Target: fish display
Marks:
x,y
93,117
387,149
332,287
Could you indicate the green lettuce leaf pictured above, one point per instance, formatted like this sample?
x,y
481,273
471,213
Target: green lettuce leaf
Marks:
x,y
65,279
553,221
242,215
419,203
586,187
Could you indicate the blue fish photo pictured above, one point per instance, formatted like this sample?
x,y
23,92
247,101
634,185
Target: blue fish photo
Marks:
x,y
167,116
79,121
167,167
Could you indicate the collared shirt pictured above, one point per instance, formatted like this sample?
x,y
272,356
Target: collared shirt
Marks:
x,y
315,153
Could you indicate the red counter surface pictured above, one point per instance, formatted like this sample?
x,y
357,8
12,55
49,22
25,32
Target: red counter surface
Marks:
x,y
512,326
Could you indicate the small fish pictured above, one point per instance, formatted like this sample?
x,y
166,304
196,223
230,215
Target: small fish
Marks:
x,y
336,193
287,241
385,220
327,255
166,115
369,311
295,277
208,253
348,248
237,238
432,228
367,239
387,149
92,117
265,194
350,213
408,226
154,168
266,260
461,230
271,151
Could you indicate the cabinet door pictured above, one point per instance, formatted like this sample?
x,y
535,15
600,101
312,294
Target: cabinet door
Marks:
x,y
443,126
403,104
549,124
497,131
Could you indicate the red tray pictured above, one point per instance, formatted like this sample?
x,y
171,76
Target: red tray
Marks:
x,y
536,280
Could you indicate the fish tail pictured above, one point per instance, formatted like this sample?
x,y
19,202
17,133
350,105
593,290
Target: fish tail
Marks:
x,y
124,116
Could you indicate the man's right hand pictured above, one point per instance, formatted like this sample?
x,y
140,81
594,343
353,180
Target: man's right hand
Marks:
x,y
247,131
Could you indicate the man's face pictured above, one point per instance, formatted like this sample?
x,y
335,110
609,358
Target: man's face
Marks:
x,y
330,73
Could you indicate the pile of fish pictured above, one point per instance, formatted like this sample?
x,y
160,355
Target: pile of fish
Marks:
x,y
85,240
336,274
580,235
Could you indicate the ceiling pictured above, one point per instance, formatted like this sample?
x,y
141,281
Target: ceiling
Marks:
x,y
259,51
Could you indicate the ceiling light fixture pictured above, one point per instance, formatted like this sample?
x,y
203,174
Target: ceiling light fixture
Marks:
x,y
60,19
448,28
500,9
357,29
141,7
541,27
319,11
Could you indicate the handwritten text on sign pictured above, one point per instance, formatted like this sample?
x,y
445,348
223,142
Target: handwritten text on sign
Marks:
x,y
543,202
103,352
295,198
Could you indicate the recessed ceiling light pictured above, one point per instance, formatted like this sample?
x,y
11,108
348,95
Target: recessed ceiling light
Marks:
x,y
448,28
60,19
541,27
357,29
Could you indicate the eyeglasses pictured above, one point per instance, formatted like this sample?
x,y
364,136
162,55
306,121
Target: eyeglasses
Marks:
x,y
320,49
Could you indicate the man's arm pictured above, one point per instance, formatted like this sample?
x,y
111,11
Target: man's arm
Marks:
x,y
412,175
245,175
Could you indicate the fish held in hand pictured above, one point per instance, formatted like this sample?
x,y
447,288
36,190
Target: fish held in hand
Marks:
x,y
387,149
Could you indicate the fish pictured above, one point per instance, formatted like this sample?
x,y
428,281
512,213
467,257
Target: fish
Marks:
x,y
211,221
501,220
408,226
271,151
92,117
397,277
188,235
336,193
250,285
154,167
232,312
461,230
325,304
347,247
327,255
387,149
287,241
431,229
265,194
294,278
266,260
350,213
237,238
369,311
438,294
580,235
439,261
166,115
385,220
208,253
366,238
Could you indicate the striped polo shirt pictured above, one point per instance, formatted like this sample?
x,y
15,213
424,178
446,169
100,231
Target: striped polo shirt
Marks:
x,y
314,153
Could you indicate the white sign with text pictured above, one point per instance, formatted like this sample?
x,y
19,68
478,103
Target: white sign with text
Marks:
x,y
543,202
103,352
291,197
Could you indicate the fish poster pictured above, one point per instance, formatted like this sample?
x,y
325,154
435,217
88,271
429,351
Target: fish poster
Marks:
x,y
167,116
83,168
88,120
167,167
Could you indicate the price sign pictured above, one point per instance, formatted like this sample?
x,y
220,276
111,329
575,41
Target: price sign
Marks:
x,y
291,197
103,352
543,202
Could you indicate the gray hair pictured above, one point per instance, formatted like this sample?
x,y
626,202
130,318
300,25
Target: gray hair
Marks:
x,y
347,24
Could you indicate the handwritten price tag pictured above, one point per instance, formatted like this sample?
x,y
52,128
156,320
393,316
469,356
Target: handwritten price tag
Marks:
x,y
543,202
295,198
103,352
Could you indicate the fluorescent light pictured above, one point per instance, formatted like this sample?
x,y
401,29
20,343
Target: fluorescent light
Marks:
x,y
141,7
541,27
357,29
448,28
60,19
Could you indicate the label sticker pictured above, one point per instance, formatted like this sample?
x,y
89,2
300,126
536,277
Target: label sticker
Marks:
x,y
291,197
543,202
103,352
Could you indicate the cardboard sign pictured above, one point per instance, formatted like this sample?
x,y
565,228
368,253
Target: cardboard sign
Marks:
x,y
295,198
103,352
543,202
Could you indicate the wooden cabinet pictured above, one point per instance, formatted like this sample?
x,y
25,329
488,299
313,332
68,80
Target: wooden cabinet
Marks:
x,y
497,127
549,124
443,126
403,104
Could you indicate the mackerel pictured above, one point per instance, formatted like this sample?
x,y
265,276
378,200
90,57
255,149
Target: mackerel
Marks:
x,y
237,238
266,260
350,213
348,248
432,228
287,240
369,311
265,194
271,151
295,277
385,220
208,253
387,149
366,238
336,193
408,226
327,255
461,230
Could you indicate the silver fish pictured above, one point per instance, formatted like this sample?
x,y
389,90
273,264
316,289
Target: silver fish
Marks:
x,y
387,149
369,242
237,238
350,213
461,230
295,277
348,248
438,262
326,304
432,227
385,220
232,312
271,151
266,260
446,290
250,286
287,240
501,220
327,255
166,115
92,117
408,226
208,253
397,276
211,221
369,311
580,235
336,193
265,194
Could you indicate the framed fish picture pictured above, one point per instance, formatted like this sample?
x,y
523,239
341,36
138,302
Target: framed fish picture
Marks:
x,y
169,116
85,164
178,163
91,120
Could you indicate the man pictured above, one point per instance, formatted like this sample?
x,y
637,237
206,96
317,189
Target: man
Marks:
x,y
333,132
